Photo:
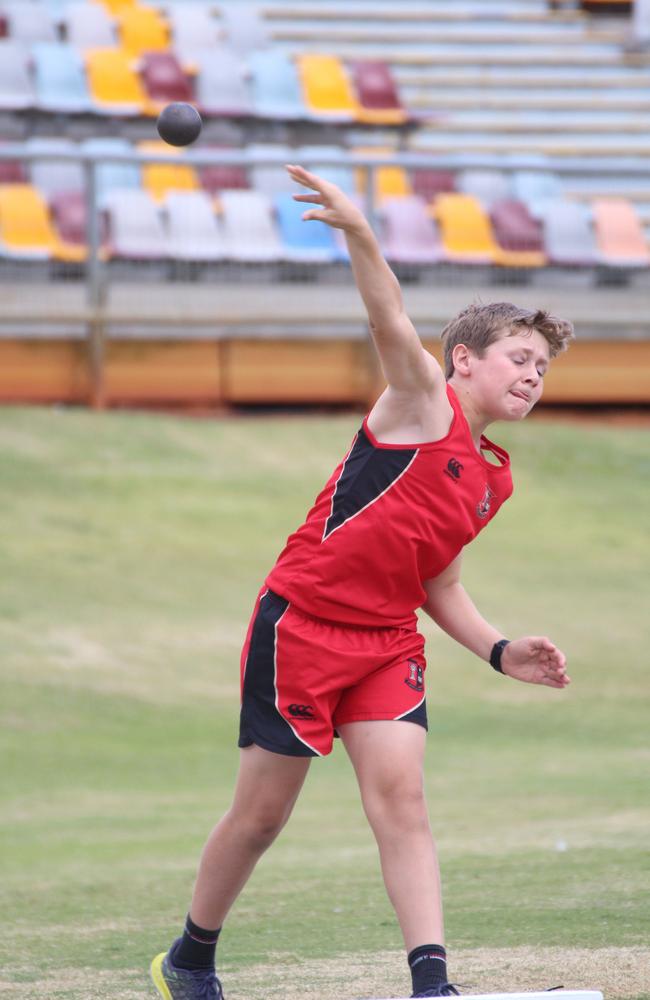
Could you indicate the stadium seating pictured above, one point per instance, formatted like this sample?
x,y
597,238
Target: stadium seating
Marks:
x,y
164,79
314,159
465,230
244,28
26,232
17,91
270,178
408,233
379,102
275,86
112,176
221,86
89,26
194,30
327,90
52,176
619,236
489,186
69,215
142,29
222,177
568,234
428,184
249,230
136,231
160,178
61,84
29,22
536,188
518,235
192,228
309,242
115,87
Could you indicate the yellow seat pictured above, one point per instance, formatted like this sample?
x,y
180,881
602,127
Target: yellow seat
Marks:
x,y
466,230
160,178
113,82
142,29
390,182
26,229
116,6
327,90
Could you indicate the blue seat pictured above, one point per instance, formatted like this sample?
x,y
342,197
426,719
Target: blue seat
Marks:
x,y
112,176
303,242
61,84
341,173
275,85
536,188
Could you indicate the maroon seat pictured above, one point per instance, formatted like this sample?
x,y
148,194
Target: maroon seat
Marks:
x,y
430,183
515,228
12,172
223,176
375,86
164,79
69,214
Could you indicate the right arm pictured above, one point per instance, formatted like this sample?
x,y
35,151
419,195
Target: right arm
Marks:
x,y
406,365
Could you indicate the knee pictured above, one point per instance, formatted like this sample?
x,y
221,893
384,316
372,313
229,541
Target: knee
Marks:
x,y
258,827
399,805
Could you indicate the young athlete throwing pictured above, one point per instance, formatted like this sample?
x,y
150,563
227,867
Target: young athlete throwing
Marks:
x,y
333,643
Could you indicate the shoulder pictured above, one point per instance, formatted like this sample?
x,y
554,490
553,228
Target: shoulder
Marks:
x,y
416,417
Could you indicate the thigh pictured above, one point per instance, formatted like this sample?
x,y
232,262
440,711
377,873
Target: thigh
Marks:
x,y
268,783
388,758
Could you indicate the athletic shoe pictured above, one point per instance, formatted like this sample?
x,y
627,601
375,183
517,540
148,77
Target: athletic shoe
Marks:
x,y
173,983
441,990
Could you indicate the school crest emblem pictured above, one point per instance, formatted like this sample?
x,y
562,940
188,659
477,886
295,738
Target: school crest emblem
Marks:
x,y
483,506
415,676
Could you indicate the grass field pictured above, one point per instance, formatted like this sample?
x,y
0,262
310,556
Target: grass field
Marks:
x,y
132,548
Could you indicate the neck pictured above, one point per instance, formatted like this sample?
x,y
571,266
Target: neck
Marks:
x,y
477,421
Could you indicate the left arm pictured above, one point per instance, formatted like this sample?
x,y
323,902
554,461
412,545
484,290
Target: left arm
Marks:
x,y
534,659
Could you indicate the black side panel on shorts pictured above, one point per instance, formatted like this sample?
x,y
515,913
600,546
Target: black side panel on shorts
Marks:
x,y
368,472
418,715
260,722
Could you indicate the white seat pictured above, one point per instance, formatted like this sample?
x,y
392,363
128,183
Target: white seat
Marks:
x,y
136,229
250,234
55,176
89,26
192,226
30,22
17,90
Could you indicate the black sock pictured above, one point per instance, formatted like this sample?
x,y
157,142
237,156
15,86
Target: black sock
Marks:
x,y
196,948
428,965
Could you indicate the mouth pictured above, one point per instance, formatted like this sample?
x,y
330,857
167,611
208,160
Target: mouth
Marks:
x,y
520,395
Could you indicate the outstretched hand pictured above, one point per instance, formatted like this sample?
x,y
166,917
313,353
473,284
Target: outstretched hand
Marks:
x,y
337,209
535,660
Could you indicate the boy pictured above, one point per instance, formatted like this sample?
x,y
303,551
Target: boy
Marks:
x,y
333,644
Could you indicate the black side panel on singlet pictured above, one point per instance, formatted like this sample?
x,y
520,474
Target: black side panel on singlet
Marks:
x,y
367,473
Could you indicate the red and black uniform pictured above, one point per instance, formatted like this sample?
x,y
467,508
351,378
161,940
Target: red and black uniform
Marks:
x,y
333,637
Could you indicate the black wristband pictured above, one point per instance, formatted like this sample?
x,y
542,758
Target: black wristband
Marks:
x,y
497,652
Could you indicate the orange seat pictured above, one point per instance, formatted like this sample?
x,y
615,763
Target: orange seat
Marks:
x,y
142,29
327,91
619,233
390,182
116,6
160,178
114,85
466,230
26,229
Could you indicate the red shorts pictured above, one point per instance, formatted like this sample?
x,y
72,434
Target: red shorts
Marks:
x,y
302,676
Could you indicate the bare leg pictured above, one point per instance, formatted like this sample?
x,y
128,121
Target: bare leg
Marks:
x,y
388,758
268,785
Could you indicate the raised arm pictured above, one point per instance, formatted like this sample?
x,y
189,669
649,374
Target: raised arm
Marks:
x,y
534,659
406,365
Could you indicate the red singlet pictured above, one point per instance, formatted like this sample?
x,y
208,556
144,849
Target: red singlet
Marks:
x,y
390,517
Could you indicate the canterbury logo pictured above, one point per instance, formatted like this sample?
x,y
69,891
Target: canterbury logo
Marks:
x,y
454,469
301,711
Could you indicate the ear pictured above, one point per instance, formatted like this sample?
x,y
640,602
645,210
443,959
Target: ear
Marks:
x,y
462,357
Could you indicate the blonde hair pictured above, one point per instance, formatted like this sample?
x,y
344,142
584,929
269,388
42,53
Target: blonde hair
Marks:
x,y
479,325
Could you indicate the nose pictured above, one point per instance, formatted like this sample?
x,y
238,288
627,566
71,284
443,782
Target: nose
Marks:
x,y
532,376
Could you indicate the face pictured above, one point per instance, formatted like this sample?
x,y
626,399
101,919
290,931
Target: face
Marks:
x,y
508,380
